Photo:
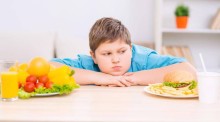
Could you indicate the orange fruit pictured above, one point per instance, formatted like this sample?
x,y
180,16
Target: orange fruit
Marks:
x,y
38,66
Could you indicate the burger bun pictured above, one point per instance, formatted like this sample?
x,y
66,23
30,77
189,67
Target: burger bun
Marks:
x,y
179,76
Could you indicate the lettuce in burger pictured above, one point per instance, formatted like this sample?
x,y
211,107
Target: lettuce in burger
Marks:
x,y
180,79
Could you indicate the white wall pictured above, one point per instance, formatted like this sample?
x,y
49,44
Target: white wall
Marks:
x,y
207,44
202,13
75,17
23,46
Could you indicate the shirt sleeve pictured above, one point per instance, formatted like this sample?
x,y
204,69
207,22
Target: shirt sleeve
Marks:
x,y
155,60
82,62
68,61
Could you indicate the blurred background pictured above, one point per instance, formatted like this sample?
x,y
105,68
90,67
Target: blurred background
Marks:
x,y
60,28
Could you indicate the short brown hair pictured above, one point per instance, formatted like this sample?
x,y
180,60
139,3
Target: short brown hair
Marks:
x,y
107,29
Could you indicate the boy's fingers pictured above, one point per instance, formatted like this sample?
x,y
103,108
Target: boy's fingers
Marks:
x,y
126,83
128,74
128,79
120,84
112,85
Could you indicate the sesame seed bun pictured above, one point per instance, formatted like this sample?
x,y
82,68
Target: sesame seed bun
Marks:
x,y
178,76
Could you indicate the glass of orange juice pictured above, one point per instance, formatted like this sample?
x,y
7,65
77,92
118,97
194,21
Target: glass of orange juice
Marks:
x,y
9,86
4,66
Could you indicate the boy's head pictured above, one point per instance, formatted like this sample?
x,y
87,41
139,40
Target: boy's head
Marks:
x,y
107,29
110,46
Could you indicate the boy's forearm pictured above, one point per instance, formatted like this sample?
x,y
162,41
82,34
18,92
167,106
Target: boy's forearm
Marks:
x,y
85,77
156,75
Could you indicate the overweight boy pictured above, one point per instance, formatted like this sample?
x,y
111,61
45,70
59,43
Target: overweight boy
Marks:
x,y
116,62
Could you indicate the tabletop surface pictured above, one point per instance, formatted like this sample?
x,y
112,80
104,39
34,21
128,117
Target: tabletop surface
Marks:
x,y
109,104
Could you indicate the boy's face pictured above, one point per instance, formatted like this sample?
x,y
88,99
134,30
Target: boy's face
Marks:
x,y
113,58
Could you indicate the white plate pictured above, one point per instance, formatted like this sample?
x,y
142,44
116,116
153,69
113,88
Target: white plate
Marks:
x,y
147,90
47,94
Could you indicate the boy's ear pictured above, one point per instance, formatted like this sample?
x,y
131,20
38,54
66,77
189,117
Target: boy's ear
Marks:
x,y
93,56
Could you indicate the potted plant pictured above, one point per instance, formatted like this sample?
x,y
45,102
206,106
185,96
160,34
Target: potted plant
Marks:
x,y
182,14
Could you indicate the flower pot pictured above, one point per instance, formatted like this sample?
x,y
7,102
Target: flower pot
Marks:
x,y
181,21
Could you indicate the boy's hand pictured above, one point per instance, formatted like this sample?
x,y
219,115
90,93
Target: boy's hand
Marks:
x,y
113,81
131,78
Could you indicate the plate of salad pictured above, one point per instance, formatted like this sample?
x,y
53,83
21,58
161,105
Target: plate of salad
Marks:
x,y
40,78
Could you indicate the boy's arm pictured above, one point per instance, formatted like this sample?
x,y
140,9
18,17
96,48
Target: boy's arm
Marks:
x,y
146,77
85,77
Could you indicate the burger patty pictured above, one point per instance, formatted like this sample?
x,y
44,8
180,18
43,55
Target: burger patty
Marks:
x,y
176,85
182,85
192,84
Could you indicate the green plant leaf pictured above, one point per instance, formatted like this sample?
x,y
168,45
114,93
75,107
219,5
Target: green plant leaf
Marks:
x,y
182,10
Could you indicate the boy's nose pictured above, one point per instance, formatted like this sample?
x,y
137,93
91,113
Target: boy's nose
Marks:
x,y
115,59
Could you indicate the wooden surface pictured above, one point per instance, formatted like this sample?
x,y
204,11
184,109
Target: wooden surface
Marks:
x,y
109,104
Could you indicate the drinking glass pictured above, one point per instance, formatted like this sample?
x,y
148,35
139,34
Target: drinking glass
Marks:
x,y
8,81
208,86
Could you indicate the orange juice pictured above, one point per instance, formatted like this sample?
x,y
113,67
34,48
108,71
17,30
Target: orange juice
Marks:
x,y
9,86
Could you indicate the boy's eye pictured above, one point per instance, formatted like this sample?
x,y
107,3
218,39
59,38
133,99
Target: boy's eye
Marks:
x,y
123,51
106,54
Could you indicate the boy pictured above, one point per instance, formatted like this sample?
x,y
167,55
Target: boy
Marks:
x,y
115,61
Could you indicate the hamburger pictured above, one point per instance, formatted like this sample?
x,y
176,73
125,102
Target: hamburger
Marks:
x,y
180,79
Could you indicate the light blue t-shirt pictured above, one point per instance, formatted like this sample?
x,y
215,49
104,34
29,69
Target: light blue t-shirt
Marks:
x,y
142,59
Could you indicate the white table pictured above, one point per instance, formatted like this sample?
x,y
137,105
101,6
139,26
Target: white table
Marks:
x,y
109,104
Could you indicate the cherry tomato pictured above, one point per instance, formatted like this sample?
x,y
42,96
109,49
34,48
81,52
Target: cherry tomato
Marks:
x,y
31,78
39,84
29,87
49,84
43,79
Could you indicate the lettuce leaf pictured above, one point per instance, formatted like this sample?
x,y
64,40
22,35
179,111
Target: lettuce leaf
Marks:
x,y
174,85
64,89
192,84
24,95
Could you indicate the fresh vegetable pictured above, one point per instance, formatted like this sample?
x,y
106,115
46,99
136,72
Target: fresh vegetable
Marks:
x,y
40,77
29,87
24,95
64,77
22,76
22,72
39,84
43,79
64,89
193,85
31,78
49,84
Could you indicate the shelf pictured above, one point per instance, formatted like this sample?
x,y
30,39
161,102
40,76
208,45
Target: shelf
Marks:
x,y
199,31
199,37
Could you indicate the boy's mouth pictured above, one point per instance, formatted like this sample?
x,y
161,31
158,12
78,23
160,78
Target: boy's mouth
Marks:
x,y
116,68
